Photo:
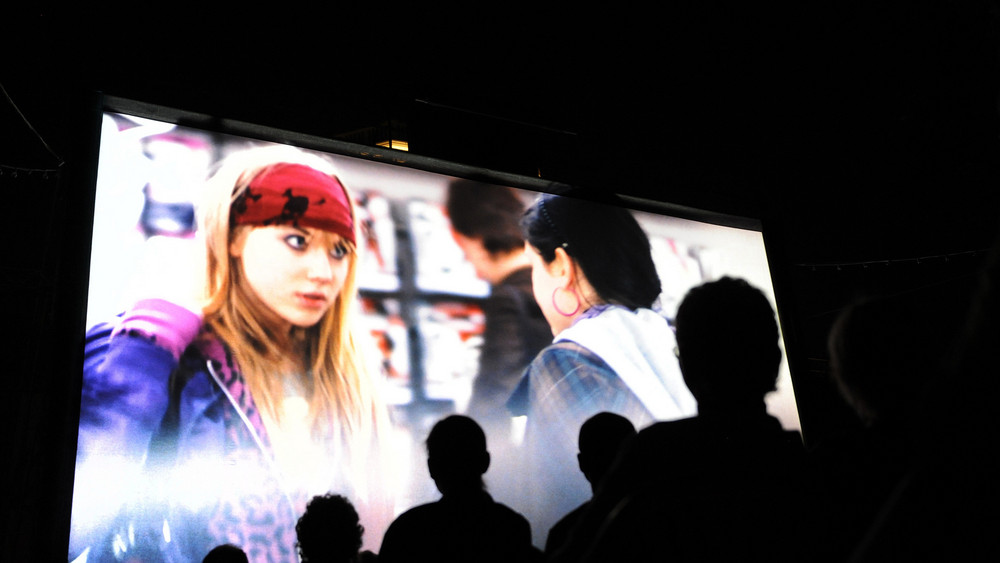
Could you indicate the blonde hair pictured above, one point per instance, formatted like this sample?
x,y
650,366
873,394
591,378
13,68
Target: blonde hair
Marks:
x,y
343,398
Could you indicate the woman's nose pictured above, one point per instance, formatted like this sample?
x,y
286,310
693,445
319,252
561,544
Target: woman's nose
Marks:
x,y
318,266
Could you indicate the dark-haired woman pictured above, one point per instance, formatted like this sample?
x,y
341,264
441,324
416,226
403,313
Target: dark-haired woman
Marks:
x,y
593,277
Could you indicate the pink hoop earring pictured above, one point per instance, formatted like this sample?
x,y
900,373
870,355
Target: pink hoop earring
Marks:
x,y
560,311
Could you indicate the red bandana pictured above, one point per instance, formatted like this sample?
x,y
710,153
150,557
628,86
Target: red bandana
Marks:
x,y
298,195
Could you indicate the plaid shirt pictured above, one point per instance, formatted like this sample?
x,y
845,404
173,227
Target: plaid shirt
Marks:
x,y
566,385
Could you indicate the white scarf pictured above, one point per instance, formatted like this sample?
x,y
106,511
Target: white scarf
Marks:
x,y
639,348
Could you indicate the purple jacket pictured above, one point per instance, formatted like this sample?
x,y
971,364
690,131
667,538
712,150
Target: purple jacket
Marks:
x,y
173,458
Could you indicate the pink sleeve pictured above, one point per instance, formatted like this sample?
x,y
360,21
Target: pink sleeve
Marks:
x,y
169,325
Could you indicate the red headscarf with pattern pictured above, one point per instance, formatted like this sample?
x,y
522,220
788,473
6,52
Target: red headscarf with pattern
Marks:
x,y
295,194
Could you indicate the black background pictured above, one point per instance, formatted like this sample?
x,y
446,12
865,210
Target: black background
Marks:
x,y
863,136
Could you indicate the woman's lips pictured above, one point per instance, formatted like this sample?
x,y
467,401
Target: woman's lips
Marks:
x,y
312,300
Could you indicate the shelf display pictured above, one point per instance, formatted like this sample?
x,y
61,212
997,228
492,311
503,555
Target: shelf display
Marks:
x,y
377,270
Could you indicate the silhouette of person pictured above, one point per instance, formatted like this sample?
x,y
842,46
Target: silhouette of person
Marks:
x,y
601,439
485,223
466,524
329,531
226,553
943,508
728,484
884,351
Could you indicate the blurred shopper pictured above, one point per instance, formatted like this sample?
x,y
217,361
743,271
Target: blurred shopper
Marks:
x,y
485,223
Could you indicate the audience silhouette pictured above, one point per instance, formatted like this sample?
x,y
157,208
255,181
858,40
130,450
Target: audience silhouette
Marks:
x,y
329,531
884,352
943,505
728,484
466,524
917,483
226,553
601,439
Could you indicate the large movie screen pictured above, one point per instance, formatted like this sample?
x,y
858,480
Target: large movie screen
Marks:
x,y
324,355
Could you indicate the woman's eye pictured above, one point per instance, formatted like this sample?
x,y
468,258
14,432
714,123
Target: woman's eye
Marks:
x,y
298,242
339,251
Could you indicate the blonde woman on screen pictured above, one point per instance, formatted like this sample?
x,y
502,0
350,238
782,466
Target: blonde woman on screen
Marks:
x,y
236,390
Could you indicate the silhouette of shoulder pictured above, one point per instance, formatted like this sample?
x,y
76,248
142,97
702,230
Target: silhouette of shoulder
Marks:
x,y
563,529
707,445
702,433
474,528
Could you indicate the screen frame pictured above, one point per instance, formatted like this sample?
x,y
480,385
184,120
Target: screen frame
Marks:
x,y
110,103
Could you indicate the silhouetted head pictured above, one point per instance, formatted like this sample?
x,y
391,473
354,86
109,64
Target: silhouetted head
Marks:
x,y
329,530
885,350
727,342
456,455
226,553
601,439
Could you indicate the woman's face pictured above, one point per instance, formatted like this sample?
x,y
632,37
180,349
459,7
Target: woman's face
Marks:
x,y
297,272
475,253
